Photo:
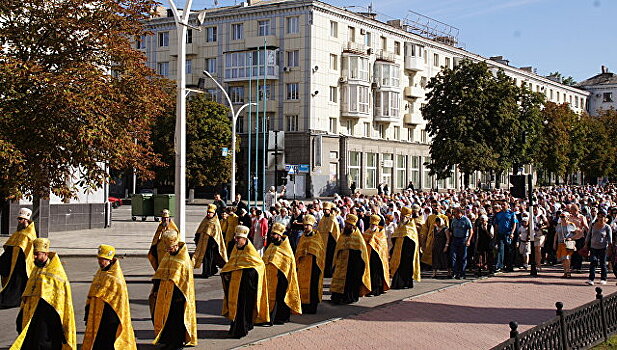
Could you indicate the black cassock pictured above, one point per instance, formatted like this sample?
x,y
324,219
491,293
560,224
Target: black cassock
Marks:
x,y
247,297
376,273
212,259
311,308
45,330
403,276
281,312
330,248
353,279
174,331
11,295
106,334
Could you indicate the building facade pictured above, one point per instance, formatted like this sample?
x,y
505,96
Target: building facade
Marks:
x,y
602,91
343,88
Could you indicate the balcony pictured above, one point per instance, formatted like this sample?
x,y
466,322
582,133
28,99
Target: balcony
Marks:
x,y
357,48
385,118
258,42
414,63
246,65
413,92
410,121
383,55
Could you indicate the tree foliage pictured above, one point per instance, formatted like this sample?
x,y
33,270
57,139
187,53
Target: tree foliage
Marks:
x,y
554,148
208,131
62,112
478,120
569,80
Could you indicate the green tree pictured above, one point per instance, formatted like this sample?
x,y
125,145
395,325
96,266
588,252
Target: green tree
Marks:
x,y
208,130
63,114
598,158
569,80
554,146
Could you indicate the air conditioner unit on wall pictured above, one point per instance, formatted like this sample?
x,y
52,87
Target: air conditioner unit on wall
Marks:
x,y
286,69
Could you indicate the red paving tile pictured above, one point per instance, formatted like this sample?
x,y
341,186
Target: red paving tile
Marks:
x,y
471,316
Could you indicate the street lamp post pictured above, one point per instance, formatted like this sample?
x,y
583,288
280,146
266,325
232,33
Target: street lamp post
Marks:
x,y
234,118
180,132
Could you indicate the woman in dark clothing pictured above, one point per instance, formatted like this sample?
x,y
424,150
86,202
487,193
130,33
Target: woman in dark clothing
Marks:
x,y
441,242
484,249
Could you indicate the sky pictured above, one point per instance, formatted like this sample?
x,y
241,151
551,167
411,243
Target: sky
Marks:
x,y
573,37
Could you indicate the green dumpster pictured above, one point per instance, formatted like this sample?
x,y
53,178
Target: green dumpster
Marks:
x,y
142,205
164,201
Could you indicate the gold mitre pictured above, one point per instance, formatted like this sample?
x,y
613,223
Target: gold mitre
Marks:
x,y
106,252
41,245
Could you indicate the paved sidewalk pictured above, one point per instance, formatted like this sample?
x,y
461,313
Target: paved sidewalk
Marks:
x,y
471,316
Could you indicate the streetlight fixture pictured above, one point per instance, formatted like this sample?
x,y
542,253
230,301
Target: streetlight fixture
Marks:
x,y
234,118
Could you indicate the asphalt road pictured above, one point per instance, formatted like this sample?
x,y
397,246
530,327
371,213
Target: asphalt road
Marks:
x,y
212,327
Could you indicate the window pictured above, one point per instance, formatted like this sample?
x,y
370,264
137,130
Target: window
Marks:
x,y
293,26
189,36
576,101
140,42
415,170
211,64
367,39
607,97
384,43
410,137
367,129
293,58
423,136
387,74
558,96
356,98
356,67
381,129
401,171
269,89
212,94
387,103
425,56
333,29
263,28
435,60
447,63
397,47
333,123
242,65
240,124
351,33
163,68
236,94
333,94
189,66
354,167
371,170
349,127
291,122
211,34
237,31
163,39
292,91
427,179
397,133
333,62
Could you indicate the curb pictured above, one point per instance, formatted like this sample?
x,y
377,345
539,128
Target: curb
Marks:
x,y
86,255
331,320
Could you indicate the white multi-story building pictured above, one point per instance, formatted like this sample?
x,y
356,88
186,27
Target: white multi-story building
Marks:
x,y
602,91
344,88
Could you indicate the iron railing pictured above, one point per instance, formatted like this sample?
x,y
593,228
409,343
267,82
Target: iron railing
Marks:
x,y
581,328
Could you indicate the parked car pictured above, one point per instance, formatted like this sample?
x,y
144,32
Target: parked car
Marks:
x,y
115,202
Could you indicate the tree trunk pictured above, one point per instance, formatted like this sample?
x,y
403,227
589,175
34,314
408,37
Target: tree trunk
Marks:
x,y
465,180
36,213
498,179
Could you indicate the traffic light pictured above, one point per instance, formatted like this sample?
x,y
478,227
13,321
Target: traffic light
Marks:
x,y
518,189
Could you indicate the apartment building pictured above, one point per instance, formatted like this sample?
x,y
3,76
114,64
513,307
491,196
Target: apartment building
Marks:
x,y
602,91
343,88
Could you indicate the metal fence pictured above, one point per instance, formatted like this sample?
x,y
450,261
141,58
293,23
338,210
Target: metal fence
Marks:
x,y
581,328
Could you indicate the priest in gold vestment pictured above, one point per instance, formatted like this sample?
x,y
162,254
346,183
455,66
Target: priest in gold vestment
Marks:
x,y
377,246
310,260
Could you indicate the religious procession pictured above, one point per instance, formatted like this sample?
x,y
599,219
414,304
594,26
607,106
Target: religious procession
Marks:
x,y
272,264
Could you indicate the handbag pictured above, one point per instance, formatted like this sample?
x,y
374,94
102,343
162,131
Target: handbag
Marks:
x,y
571,245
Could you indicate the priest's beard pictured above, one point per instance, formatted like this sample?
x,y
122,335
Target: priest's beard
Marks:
x,y
347,231
165,223
21,226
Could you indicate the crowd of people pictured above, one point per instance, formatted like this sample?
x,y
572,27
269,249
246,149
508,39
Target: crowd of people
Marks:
x,y
273,263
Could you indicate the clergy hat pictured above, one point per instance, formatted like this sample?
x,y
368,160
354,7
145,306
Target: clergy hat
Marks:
x,y
308,220
415,208
242,231
375,219
405,211
211,208
170,238
41,245
351,219
278,228
106,252
165,213
328,205
24,213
